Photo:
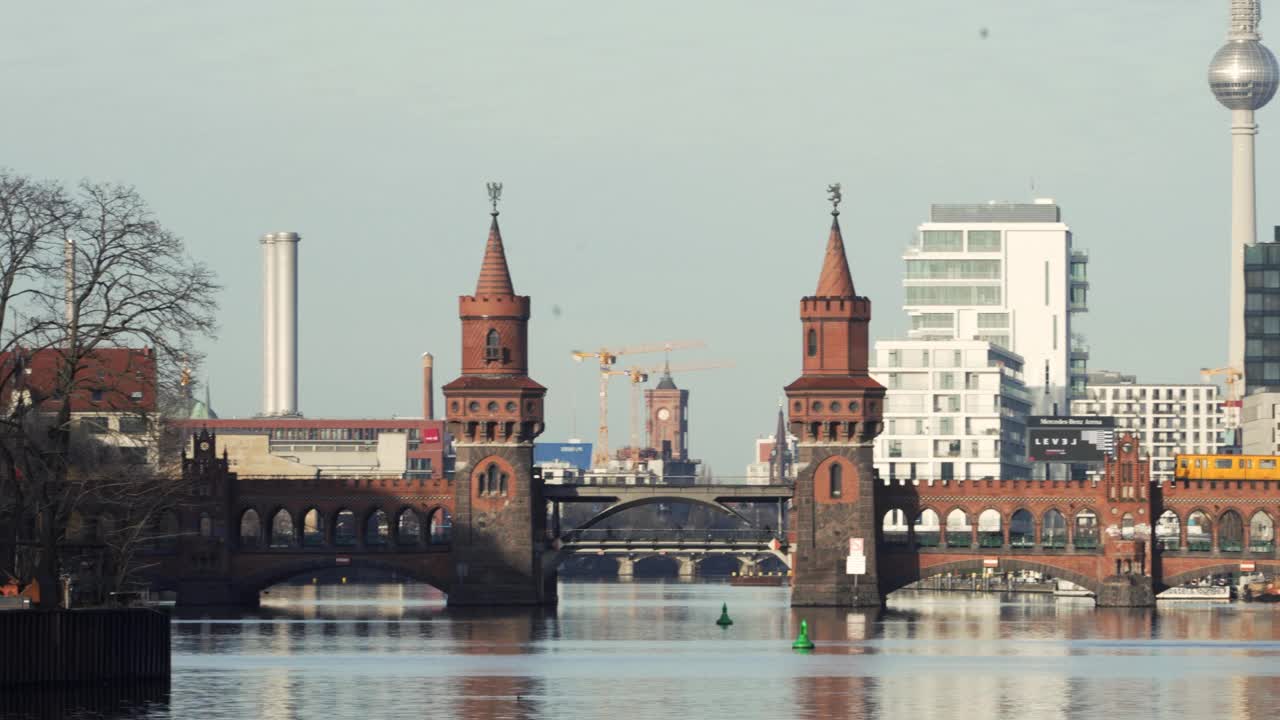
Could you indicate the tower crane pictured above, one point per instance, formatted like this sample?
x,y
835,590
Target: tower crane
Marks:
x,y
1234,412
607,357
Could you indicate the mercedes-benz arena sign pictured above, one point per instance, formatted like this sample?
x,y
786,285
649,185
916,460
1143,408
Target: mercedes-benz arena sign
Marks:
x,y
1070,439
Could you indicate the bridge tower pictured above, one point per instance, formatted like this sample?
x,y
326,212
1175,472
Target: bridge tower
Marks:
x,y
494,412
835,412
1129,528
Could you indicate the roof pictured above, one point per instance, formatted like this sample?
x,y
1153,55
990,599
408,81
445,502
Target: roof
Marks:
x,y
495,278
493,382
1011,212
834,382
108,380
835,279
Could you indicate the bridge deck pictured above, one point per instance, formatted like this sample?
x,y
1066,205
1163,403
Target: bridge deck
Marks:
x,y
629,493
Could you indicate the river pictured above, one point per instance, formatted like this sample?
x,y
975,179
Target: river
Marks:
x,y
652,650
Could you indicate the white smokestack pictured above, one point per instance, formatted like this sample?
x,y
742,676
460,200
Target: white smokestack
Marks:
x,y
268,325
286,323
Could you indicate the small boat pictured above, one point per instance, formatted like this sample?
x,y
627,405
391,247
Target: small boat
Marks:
x,y
1202,592
762,580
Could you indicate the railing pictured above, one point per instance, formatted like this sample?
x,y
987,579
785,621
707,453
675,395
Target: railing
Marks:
x,y
1085,543
960,539
928,539
990,540
1262,546
601,535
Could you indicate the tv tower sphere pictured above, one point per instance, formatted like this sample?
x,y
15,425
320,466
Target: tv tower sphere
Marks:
x,y
1243,75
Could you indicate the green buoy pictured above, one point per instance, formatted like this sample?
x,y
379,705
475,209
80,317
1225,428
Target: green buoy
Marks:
x,y
802,640
725,620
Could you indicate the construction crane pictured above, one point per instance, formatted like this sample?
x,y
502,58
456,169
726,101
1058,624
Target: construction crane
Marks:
x,y
607,358
639,376
1233,378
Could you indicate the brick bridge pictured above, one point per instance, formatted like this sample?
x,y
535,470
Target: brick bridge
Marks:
x,y
485,535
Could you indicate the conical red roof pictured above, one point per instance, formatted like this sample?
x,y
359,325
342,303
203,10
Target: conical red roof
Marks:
x,y
495,278
835,280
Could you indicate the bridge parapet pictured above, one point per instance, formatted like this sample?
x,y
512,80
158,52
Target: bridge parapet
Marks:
x,y
279,484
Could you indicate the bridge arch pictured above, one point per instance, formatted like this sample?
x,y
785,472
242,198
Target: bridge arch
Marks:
x,y
638,502
890,584
291,567
407,526
1272,567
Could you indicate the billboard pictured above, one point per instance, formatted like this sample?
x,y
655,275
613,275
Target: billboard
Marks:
x,y
576,454
1070,439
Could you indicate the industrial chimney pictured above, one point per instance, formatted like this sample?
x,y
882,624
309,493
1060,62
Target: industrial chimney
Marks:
x,y
280,324
428,387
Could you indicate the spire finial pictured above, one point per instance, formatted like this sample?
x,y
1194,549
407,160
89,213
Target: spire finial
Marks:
x,y
833,190
495,194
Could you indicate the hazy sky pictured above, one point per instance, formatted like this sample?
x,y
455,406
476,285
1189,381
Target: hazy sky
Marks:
x,y
665,165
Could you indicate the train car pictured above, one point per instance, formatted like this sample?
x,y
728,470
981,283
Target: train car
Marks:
x,y
1227,467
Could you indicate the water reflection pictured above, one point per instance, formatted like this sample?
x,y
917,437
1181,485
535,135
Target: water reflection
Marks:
x,y
652,650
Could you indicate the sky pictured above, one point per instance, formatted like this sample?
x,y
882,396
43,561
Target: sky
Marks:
x,y
665,166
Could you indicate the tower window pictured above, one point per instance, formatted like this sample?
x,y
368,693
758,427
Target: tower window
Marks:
x,y
492,347
493,482
812,343
837,480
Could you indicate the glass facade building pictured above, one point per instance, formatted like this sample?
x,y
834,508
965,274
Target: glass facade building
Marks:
x,y
1262,315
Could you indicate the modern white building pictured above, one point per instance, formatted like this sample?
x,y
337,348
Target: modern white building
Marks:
x,y
1005,273
954,409
1261,426
1167,418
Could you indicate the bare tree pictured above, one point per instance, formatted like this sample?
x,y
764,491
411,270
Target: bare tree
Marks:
x,y
86,271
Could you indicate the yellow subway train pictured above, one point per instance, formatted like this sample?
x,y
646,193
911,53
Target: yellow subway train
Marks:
x,y
1227,467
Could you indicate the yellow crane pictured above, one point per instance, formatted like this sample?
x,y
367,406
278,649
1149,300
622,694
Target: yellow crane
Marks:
x,y
607,358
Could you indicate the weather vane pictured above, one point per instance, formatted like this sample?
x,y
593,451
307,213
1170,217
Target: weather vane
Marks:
x,y
834,191
495,194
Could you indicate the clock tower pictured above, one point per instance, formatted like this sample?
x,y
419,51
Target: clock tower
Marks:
x,y
668,421
494,412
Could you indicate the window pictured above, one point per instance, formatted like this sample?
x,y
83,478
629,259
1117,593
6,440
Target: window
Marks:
x,y
993,320
132,424
94,425
953,295
936,321
984,241
837,480
493,481
942,240
953,269
492,347
95,395
811,347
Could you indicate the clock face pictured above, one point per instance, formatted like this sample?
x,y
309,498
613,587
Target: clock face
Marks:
x,y
664,414
204,446
1126,447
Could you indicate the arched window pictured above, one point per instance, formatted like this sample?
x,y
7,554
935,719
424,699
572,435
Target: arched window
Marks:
x,y
250,529
1086,532
493,481
441,527
206,525
492,346
1169,531
990,532
1053,530
377,530
836,474
408,527
312,528
894,527
959,531
1230,532
282,529
928,530
344,528
1199,532
1022,529
1262,533
811,343
1126,526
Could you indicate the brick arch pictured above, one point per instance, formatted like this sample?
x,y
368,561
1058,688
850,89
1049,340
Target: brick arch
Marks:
x,y
289,567
423,523
848,478
269,521
889,584
490,502
1216,568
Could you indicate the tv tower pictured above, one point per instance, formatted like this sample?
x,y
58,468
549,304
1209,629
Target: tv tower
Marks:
x,y
1243,76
